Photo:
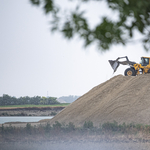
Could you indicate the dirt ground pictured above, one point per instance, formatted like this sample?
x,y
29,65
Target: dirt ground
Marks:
x,y
122,98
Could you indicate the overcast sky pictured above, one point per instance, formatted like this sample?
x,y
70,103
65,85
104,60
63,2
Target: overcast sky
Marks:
x,y
33,61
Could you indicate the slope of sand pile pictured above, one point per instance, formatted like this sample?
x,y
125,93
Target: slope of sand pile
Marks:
x,y
123,99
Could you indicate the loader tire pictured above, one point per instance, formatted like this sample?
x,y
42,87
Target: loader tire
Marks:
x,y
130,72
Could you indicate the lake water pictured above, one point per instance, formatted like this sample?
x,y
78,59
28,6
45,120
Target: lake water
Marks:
x,y
23,119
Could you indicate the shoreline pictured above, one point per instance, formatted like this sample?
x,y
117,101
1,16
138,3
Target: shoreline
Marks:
x,y
30,111
65,139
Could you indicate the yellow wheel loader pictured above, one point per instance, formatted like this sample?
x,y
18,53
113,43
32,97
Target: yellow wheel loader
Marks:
x,y
135,68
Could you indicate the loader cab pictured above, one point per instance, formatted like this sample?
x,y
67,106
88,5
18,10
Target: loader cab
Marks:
x,y
144,61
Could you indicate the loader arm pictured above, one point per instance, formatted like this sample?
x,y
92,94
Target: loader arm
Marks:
x,y
115,63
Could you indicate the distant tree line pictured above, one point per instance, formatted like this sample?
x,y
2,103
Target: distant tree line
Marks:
x,y
69,99
36,100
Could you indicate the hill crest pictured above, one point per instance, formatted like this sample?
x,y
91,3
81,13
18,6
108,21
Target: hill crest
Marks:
x,y
122,98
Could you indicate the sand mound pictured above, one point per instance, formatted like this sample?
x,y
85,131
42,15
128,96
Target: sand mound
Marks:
x,y
123,99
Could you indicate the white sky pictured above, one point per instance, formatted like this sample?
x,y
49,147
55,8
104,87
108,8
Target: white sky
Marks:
x,y
33,61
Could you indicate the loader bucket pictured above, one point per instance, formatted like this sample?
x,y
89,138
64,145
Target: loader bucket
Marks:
x,y
114,64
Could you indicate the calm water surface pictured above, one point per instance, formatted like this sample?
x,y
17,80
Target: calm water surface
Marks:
x,y
23,119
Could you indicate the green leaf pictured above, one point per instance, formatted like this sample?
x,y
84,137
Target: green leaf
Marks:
x,y
35,2
48,6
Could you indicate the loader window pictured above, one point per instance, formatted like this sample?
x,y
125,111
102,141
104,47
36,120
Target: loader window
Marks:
x,y
144,61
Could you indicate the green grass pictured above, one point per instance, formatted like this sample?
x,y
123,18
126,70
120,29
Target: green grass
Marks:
x,y
55,105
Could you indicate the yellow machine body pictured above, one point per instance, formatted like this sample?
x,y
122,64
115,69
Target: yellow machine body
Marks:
x,y
135,68
144,66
